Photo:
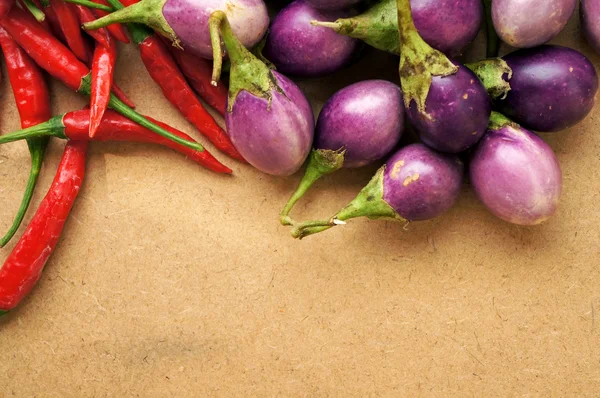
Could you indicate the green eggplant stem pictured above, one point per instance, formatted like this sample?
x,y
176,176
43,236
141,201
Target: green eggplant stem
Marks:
x,y
139,33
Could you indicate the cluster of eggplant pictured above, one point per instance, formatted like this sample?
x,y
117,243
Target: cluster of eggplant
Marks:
x,y
485,112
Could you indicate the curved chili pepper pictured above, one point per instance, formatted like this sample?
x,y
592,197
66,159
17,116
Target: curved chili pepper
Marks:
x,y
23,267
114,127
33,103
116,30
102,80
101,35
57,60
164,71
69,24
198,72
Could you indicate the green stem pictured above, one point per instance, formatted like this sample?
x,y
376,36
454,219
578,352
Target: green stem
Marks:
x,y
498,120
378,26
495,75
91,4
368,203
419,62
2,313
493,41
320,163
36,12
139,33
132,115
37,148
247,71
147,12
52,128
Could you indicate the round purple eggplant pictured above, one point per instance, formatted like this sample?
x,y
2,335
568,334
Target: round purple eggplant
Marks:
x,y
547,88
332,4
447,25
186,22
358,125
298,48
590,22
515,174
416,184
446,103
268,118
530,23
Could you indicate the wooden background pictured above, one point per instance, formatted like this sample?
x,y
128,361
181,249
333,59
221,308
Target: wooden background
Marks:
x,y
173,281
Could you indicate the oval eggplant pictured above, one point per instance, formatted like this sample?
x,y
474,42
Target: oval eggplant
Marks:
x,y
530,23
590,22
515,174
358,125
298,48
416,184
186,22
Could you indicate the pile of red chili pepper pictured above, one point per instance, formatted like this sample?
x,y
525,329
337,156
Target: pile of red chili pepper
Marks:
x,y
40,37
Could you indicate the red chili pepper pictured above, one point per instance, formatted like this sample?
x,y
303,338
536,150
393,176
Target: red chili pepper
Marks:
x,y
57,60
116,30
120,94
33,103
102,81
100,35
51,19
67,18
23,267
164,71
5,6
198,72
114,127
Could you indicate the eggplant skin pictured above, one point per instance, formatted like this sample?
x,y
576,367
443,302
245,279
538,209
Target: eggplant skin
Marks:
x,y
530,23
552,88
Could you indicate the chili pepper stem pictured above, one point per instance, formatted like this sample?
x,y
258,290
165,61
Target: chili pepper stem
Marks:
x,y
37,149
90,4
2,313
321,162
36,12
52,128
147,12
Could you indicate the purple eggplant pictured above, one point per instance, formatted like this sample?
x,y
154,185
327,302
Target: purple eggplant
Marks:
x,y
590,22
186,22
445,101
268,118
447,25
547,88
515,173
530,23
358,125
332,4
298,48
416,184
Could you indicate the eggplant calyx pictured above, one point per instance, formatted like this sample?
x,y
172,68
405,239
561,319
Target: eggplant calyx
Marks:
x,y
495,75
147,12
247,72
419,62
320,162
498,121
368,203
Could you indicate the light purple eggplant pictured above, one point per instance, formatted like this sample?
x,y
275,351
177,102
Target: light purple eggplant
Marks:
x,y
547,88
447,25
332,4
268,118
358,125
530,23
416,184
446,103
298,48
590,22
515,174
186,22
